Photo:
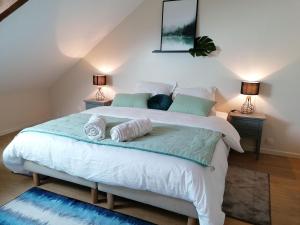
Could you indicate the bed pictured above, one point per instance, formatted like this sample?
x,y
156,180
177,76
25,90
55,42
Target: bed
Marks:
x,y
163,181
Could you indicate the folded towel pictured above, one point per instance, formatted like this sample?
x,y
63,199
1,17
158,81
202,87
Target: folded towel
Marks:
x,y
95,128
130,130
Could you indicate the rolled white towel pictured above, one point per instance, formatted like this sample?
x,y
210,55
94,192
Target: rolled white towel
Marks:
x,y
130,130
95,128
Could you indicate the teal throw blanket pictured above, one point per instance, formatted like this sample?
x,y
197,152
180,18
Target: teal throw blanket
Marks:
x,y
190,143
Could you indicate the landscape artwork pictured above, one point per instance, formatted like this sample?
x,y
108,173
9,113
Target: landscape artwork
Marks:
x,y
179,25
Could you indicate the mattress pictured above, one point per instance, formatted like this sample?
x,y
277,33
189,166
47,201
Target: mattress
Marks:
x,y
162,174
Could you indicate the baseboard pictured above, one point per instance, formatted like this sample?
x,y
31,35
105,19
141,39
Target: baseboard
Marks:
x,y
280,153
272,151
19,127
14,129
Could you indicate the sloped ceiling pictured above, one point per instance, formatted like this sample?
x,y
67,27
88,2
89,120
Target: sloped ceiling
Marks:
x,y
42,39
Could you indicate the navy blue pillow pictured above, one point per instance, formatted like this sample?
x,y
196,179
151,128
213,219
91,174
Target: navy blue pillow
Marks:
x,y
160,102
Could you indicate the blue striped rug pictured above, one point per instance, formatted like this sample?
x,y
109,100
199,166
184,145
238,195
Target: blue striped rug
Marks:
x,y
40,207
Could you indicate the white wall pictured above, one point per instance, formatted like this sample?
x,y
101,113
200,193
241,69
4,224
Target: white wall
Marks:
x,y
258,41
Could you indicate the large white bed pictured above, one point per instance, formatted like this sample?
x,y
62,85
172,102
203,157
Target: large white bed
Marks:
x,y
134,169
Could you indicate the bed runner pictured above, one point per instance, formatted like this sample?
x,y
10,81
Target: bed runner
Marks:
x,y
190,143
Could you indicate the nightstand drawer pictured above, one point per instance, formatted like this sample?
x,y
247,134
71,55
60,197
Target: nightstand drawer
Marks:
x,y
91,105
246,127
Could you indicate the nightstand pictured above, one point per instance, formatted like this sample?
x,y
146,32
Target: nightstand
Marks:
x,y
248,126
92,103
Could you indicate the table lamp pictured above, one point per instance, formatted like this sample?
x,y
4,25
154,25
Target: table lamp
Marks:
x,y
99,80
249,88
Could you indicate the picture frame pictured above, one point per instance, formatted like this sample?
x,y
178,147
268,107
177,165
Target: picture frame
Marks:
x,y
178,26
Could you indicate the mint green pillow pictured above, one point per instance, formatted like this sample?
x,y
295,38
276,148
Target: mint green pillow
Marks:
x,y
138,100
191,105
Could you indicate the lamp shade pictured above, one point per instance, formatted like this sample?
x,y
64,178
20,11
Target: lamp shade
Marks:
x,y
99,80
250,88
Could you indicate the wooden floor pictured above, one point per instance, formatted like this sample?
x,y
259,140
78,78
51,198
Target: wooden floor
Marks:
x,y
285,190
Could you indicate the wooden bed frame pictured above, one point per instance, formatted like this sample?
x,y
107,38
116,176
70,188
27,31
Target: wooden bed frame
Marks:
x,y
161,201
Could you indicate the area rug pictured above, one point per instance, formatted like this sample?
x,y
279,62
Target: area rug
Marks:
x,y
40,207
247,196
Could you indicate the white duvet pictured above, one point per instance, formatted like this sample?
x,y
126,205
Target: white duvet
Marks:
x,y
135,169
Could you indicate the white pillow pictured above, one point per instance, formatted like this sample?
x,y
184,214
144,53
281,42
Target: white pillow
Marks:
x,y
222,115
207,93
155,88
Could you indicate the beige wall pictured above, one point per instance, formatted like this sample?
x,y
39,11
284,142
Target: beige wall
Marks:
x,y
258,41
35,52
39,42
5,4
22,109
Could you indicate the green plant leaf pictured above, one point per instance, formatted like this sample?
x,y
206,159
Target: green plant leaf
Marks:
x,y
203,46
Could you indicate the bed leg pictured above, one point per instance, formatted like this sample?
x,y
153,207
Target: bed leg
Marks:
x,y
36,179
94,195
192,221
110,201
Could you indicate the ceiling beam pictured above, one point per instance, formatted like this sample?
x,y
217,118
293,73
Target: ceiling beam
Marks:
x,y
11,9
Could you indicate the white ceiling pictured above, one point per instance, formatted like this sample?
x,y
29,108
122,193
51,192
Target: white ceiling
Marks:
x,y
43,39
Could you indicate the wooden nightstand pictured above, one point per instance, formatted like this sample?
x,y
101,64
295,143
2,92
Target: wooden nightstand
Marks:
x,y
92,103
248,126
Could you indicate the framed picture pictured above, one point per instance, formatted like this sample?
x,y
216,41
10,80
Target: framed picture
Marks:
x,y
179,21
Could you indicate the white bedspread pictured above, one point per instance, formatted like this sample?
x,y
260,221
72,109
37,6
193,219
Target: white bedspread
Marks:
x,y
141,170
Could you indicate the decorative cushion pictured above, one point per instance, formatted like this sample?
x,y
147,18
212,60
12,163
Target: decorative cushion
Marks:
x,y
191,105
154,88
201,92
160,102
138,100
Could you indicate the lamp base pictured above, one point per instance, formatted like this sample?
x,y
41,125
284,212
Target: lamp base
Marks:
x,y
99,95
247,107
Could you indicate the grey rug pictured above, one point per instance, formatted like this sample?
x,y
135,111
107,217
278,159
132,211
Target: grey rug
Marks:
x,y
247,196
